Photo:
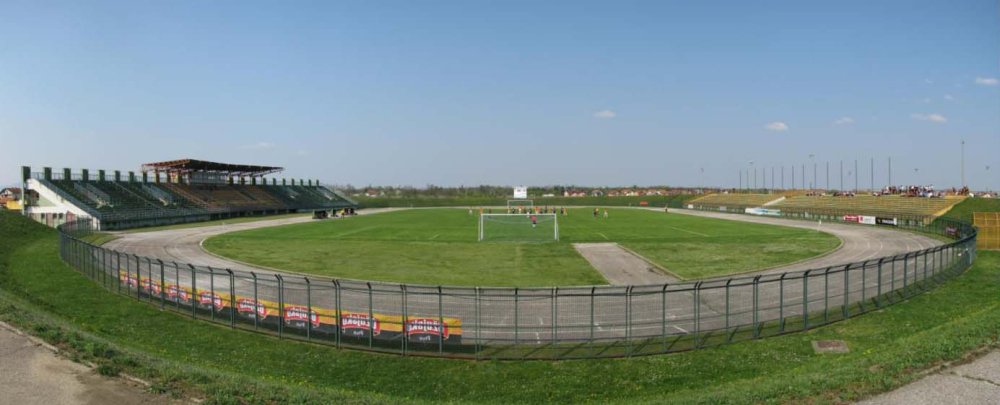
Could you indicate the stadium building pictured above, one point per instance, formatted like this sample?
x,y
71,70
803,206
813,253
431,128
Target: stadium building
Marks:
x,y
172,192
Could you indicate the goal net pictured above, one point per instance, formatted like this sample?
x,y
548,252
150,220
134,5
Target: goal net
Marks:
x,y
518,227
520,203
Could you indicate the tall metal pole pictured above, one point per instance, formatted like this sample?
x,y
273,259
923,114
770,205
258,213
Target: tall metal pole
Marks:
x,y
873,174
772,177
963,163
841,175
890,171
782,177
827,174
855,175
793,176
803,176
741,178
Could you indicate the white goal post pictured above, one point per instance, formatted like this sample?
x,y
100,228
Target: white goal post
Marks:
x,y
520,202
519,227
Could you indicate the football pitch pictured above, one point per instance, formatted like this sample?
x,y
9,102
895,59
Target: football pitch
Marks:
x,y
441,247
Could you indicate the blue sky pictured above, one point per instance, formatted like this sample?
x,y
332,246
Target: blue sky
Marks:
x,y
514,92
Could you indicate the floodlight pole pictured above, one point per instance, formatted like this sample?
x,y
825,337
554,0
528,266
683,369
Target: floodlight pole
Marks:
x,y
963,163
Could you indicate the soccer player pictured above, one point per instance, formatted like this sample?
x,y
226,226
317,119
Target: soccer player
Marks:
x,y
534,221
605,213
596,211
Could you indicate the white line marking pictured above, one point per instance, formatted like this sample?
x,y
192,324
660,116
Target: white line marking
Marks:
x,y
685,230
679,328
604,236
435,236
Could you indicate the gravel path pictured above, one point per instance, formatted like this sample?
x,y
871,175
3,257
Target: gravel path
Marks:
x,y
32,373
975,383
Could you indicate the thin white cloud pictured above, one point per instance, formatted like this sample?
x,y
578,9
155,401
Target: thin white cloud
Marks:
x,y
776,126
928,81
844,121
258,145
987,81
949,97
605,114
938,118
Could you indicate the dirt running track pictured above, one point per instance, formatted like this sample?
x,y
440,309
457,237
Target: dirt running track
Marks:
x,y
542,315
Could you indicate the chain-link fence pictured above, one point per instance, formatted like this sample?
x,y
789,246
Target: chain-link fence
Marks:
x,y
522,323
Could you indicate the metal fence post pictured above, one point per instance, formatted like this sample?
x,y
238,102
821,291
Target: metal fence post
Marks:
x,y
479,323
256,302
517,331
826,295
117,265
555,314
728,282
846,312
756,307
441,320
925,269
878,291
211,291
805,300
781,303
628,321
177,287
371,316
194,292
336,298
402,290
864,285
232,298
592,291
906,262
309,309
663,321
697,309
281,306
138,277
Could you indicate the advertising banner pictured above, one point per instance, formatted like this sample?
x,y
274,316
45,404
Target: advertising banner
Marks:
x,y
763,211
885,221
246,307
852,218
867,220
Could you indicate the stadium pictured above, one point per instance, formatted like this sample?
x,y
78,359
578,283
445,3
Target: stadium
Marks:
x,y
644,299
499,203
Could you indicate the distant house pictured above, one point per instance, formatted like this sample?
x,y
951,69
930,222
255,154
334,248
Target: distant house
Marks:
x,y
372,193
10,193
596,193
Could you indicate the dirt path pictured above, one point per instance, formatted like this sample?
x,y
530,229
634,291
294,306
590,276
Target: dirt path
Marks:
x,y
975,383
33,374
620,266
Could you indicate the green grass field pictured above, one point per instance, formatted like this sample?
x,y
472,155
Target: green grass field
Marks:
x,y
180,356
439,246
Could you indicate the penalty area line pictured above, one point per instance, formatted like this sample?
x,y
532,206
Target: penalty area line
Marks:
x,y
691,232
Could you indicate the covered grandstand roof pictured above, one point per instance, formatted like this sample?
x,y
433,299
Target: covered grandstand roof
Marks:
x,y
193,165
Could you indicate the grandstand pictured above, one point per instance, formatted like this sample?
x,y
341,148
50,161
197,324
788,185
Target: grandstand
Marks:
x,y
801,203
735,202
170,192
887,205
